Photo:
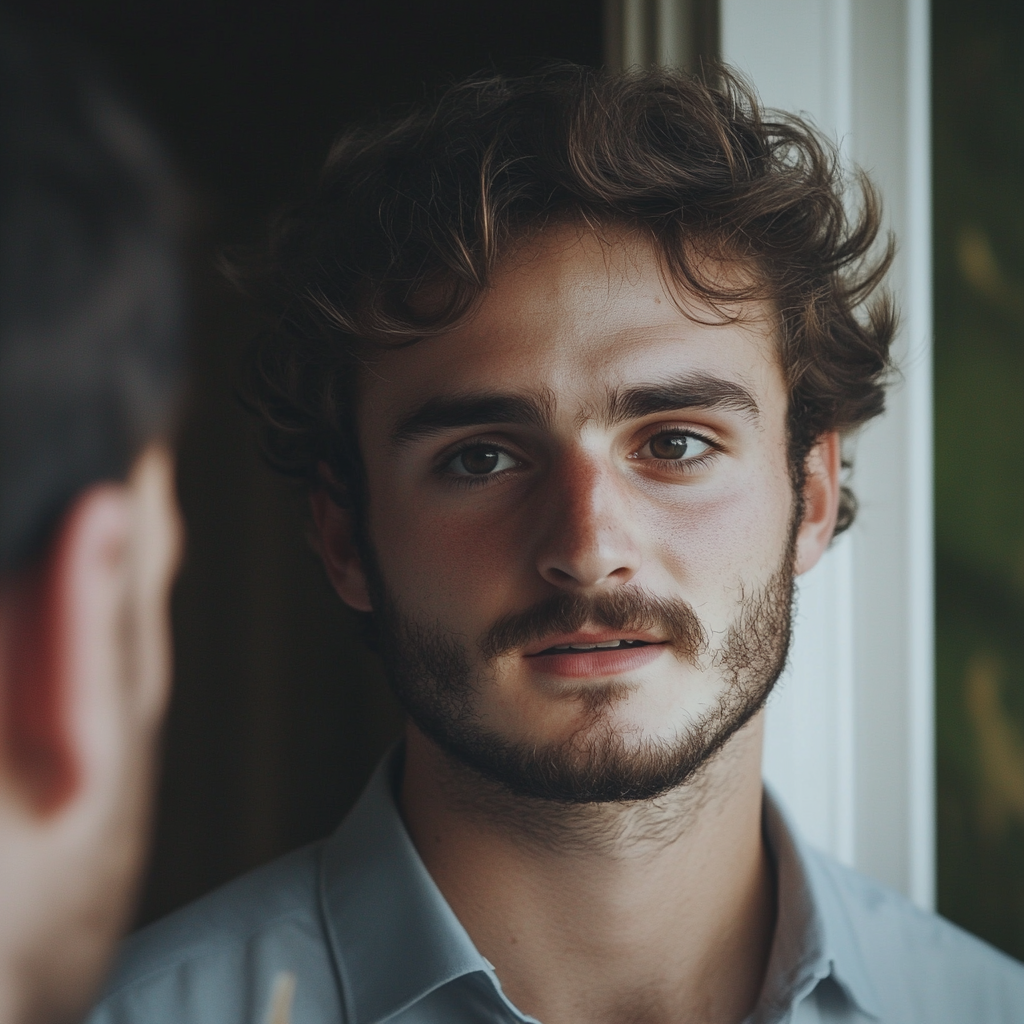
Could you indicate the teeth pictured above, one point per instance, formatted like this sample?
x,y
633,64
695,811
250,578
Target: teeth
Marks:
x,y
603,645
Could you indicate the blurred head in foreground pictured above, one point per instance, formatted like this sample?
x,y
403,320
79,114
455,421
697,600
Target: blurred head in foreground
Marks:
x,y
90,364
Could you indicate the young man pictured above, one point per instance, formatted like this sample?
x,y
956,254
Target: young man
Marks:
x,y
90,361
566,362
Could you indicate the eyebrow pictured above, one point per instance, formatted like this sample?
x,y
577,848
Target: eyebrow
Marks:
x,y
439,414
690,391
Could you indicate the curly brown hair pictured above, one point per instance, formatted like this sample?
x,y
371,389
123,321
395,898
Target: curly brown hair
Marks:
x,y
432,203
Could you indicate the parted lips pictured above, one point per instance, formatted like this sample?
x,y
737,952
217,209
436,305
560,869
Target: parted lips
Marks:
x,y
628,610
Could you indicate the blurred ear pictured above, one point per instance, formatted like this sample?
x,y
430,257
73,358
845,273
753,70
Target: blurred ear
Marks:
x,y
84,643
821,502
61,623
335,527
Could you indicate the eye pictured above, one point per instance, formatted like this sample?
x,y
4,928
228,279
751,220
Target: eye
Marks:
x,y
675,446
480,460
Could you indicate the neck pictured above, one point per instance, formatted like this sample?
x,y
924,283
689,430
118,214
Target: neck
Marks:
x,y
653,911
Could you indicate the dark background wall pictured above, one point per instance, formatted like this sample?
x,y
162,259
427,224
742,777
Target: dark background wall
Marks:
x,y
278,714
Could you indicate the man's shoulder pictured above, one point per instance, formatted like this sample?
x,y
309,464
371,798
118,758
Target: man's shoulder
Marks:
x,y
921,965
217,959
285,888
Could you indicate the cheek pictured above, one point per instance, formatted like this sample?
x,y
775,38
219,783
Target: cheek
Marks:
x,y
711,543
450,562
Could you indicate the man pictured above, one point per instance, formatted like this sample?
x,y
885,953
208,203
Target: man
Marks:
x,y
565,362
90,361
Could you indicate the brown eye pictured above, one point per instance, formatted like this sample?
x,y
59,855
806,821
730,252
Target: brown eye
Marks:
x,y
674,446
480,460
669,446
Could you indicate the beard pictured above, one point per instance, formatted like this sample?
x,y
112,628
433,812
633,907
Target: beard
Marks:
x,y
430,671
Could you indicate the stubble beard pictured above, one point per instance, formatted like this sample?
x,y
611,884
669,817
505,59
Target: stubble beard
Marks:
x,y
430,670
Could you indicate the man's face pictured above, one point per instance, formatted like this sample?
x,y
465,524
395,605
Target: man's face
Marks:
x,y
581,514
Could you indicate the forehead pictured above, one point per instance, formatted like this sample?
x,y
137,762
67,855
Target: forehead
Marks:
x,y
572,317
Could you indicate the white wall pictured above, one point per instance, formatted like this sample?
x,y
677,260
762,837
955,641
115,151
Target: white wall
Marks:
x,y
850,734
850,728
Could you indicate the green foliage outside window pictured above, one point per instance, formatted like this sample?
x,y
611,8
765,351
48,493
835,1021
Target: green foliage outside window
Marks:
x,y
978,96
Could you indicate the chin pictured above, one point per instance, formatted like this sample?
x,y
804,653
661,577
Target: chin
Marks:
x,y
637,712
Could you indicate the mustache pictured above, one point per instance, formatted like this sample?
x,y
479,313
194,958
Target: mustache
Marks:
x,y
629,609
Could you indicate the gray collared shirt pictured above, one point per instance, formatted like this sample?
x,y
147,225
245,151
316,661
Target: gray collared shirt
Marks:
x,y
368,937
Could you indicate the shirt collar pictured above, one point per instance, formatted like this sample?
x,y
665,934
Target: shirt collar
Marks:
x,y
814,936
395,939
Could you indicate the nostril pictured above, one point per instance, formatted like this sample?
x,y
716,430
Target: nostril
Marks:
x,y
560,575
582,578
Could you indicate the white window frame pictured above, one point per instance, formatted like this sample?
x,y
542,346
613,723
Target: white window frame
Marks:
x,y
850,735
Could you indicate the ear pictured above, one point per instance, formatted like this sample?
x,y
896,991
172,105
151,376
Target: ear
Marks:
x,y
335,527
821,502
60,629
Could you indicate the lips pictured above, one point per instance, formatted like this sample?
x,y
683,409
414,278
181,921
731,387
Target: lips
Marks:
x,y
603,645
592,643
594,658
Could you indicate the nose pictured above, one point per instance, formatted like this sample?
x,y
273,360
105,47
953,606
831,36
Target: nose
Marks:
x,y
589,539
